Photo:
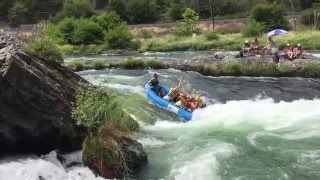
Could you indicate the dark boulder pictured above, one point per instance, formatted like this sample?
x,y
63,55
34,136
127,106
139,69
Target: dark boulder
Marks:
x,y
135,157
35,102
113,157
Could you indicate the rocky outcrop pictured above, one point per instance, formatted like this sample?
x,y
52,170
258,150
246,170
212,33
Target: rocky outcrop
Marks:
x,y
113,157
35,102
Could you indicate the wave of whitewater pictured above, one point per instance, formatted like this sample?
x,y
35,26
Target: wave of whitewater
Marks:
x,y
265,113
294,120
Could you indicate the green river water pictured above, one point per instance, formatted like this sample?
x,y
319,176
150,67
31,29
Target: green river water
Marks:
x,y
255,129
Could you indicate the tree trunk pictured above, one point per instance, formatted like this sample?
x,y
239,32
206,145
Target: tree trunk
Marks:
x,y
212,13
294,17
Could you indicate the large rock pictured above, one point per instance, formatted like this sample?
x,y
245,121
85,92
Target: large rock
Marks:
x,y
113,157
35,102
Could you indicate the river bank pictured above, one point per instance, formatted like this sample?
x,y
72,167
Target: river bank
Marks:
x,y
202,42
206,63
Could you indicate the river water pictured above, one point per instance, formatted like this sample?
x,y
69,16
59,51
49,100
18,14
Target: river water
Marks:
x,y
256,128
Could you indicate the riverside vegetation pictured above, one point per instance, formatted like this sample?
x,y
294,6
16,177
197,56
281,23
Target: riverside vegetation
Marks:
x,y
107,30
110,133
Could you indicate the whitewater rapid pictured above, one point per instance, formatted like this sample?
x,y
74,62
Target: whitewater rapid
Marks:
x,y
265,128
299,119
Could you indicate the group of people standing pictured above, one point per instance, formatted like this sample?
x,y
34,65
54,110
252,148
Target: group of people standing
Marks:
x,y
183,100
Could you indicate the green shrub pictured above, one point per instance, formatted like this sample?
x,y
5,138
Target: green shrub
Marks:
x,y
272,69
272,15
42,46
154,64
17,13
146,34
74,8
87,32
119,37
312,70
94,108
129,64
142,11
91,107
80,31
138,64
211,36
97,65
119,7
188,24
136,44
174,11
66,29
108,20
232,68
229,29
286,69
77,65
253,29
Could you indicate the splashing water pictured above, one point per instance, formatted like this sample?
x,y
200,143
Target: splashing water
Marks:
x,y
274,136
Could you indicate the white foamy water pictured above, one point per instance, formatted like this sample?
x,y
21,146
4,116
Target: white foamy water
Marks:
x,y
126,89
47,167
152,142
265,113
204,164
189,149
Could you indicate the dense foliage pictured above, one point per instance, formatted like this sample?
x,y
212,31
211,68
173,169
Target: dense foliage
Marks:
x,y
95,107
74,8
188,24
254,29
273,16
135,11
311,17
107,29
28,11
42,46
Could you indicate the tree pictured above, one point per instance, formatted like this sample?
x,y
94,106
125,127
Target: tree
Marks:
x,y
175,10
142,11
119,7
189,23
273,16
293,16
307,3
66,29
213,7
17,13
5,5
108,20
87,32
119,37
74,8
311,17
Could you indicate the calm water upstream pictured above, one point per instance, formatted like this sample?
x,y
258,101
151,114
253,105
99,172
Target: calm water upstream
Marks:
x,y
257,128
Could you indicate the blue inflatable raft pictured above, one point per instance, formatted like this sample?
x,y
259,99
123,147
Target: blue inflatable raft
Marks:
x,y
182,113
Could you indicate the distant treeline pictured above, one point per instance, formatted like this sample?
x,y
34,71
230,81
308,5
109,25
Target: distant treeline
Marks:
x,y
133,11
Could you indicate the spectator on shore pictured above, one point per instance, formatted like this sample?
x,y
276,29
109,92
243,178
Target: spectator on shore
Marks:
x,y
269,48
255,44
246,48
297,51
288,52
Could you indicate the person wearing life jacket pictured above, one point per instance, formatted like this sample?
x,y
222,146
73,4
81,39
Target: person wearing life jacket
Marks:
x,y
172,95
154,85
182,101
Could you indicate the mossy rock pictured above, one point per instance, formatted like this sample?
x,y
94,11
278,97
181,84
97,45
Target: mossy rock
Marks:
x,y
111,156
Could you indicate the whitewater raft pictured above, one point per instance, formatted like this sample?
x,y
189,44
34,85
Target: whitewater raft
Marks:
x,y
182,113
